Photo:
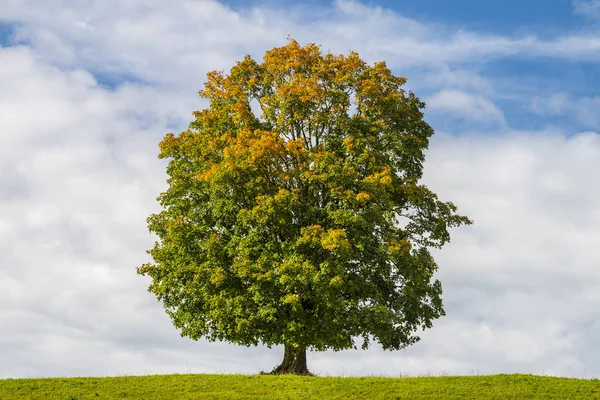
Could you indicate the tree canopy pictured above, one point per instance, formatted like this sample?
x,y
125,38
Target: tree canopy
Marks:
x,y
294,214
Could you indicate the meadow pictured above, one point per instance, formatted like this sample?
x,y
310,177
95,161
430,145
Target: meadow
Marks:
x,y
204,386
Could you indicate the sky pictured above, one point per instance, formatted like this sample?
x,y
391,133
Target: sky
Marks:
x,y
89,88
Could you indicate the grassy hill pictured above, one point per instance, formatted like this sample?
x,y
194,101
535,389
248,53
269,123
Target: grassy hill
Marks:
x,y
294,387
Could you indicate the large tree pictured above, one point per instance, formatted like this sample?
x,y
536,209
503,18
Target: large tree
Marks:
x,y
294,215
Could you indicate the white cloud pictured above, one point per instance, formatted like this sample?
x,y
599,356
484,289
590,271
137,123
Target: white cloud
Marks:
x,y
471,107
529,262
79,175
72,206
157,41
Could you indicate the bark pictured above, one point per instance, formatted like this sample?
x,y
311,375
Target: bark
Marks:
x,y
294,362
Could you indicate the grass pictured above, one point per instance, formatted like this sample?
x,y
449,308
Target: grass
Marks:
x,y
293,387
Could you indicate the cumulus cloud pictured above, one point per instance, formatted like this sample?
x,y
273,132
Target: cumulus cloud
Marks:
x,y
530,258
79,175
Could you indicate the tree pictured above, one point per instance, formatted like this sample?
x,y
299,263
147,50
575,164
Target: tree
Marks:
x,y
303,223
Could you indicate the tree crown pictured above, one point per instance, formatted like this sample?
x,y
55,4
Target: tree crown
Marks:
x,y
294,213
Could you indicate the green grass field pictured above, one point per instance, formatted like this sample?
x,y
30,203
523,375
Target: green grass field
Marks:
x,y
294,387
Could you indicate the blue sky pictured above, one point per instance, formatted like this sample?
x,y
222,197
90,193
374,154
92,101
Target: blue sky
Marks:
x,y
88,90
505,17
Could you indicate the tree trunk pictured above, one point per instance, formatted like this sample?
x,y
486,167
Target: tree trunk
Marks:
x,y
294,362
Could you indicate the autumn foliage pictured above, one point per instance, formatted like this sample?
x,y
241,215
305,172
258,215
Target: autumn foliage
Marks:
x,y
294,215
